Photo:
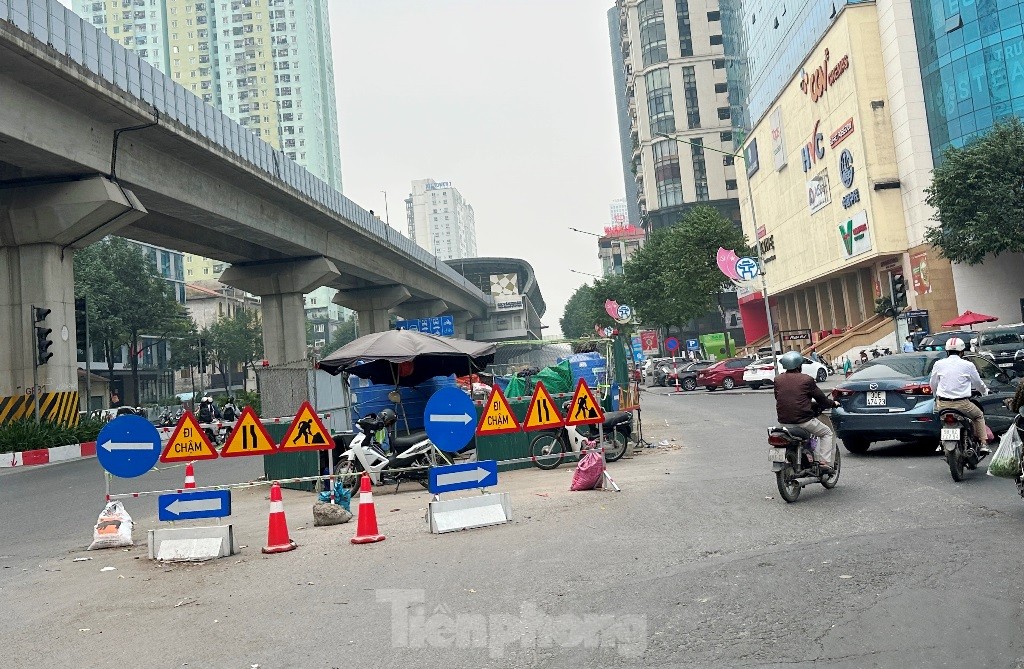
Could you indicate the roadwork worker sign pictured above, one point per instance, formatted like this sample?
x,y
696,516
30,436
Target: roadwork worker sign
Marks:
x,y
188,442
584,409
543,413
497,417
248,438
307,432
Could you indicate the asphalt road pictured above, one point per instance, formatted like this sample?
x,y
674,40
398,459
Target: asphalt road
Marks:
x,y
697,563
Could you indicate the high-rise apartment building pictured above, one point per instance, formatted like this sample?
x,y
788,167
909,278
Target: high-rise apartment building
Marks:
x,y
265,63
619,212
678,86
440,220
622,115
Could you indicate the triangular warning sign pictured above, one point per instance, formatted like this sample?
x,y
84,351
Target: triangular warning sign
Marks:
x,y
248,438
188,442
584,409
543,412
307,432
497,417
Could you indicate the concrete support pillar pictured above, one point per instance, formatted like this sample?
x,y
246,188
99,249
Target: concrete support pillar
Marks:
x,y
373,305
421,308
40,228
281,286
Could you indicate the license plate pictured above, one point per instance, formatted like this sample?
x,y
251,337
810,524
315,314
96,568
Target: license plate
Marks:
x,y
1006,364
876,398
777,455
950,434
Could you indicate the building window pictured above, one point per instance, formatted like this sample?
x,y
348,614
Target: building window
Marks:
x,y
725,137
716,40
718,63
728,160
654,47
683,19
724,113
730,184
714,16
721,88
700,170
659,101
690,94
667,177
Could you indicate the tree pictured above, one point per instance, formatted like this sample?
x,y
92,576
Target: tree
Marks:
x,y
978,194
343,334
674,278
578,318
127,299
185,350
234,342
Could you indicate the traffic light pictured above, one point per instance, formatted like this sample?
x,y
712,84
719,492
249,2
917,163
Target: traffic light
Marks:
x,y
899,291
43,341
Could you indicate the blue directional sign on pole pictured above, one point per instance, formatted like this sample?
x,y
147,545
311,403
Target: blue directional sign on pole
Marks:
x,y
128,446
191,505
450,419
468,476
447,326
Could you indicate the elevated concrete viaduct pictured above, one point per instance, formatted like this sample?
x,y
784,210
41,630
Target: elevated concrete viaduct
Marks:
x,y
94,141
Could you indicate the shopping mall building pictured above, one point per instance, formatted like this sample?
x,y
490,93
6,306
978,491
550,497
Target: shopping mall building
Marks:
x,y
851,106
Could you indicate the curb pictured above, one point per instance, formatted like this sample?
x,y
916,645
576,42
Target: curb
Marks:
x,y
44,456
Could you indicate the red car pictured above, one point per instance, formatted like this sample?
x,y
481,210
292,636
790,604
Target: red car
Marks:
x,y
728,374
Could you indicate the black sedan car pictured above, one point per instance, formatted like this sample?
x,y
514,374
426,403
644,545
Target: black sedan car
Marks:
x,y
666,373
889,399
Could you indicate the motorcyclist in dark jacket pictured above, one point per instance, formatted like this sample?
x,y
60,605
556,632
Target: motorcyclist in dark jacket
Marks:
x,y
794,392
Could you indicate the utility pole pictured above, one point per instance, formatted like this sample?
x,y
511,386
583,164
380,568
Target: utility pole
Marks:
x,y
387,215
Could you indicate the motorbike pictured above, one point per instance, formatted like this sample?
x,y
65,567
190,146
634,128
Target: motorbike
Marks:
x,y
1018,424
548,449
167,419
792,458
413,455
960,445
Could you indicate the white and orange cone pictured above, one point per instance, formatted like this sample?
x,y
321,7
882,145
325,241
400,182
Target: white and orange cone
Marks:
x,y
190,476
366,526
278,540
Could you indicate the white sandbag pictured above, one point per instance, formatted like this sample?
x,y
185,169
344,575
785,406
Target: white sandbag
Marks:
x,y
113,528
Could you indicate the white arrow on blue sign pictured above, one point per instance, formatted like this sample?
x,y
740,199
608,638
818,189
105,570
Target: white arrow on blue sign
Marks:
x,y
192,505
128,446
450,419
483,474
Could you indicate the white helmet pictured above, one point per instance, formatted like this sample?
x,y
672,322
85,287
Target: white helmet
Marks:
x,y
955,344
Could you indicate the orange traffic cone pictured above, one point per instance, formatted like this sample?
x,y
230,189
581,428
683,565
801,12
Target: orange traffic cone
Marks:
x,y
277,533
366,527
190,477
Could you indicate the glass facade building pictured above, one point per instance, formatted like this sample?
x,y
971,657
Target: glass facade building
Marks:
x,y
972,66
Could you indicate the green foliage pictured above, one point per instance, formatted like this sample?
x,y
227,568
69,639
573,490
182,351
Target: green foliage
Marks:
x,y
246,398
883,307
578,318
978,194
235,341
25,435
345,333
674,277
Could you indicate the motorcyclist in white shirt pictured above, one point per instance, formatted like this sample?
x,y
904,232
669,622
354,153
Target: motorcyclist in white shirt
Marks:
x,y
953,380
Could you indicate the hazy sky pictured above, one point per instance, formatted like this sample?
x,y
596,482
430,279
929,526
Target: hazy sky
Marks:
x,y
511,100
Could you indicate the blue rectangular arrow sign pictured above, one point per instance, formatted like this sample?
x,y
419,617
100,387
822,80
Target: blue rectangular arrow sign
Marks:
x,y
190,505
483,474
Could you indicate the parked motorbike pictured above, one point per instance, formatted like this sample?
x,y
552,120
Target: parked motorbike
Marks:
x,y
412,455
960,446
792,457
549,448
1018,424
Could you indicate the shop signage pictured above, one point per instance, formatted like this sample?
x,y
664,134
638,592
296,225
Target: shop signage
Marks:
x,y
760,232
814,150
841,133
439,185
750,158
919,273
508,303
778,142
855,238
767,248
846,168
818,192
795,335
820,78
851,198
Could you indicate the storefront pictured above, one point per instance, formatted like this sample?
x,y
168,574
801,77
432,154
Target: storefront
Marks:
x,y
830,217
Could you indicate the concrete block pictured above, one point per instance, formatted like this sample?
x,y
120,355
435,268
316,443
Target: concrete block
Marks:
x,y
467,513
192,544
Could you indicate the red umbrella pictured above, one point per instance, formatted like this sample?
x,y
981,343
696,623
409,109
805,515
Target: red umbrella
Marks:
x,y
969,318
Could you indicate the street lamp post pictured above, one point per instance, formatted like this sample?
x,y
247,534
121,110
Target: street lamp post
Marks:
x,y
757,242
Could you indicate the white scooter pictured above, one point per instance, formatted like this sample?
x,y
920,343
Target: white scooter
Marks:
x,y
409,458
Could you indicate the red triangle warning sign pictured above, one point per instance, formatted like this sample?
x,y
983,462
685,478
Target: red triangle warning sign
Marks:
x,y
584,409
248,438
543,413
497,417
307,432
188,442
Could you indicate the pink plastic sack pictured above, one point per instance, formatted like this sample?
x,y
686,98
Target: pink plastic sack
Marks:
x,y
588,472
989,436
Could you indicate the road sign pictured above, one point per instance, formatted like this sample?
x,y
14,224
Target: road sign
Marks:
x,y
584,409
497,417
672,344
543,413
692,345
248,438
307,432
447,326
128,446
450,419
191,505
608,331
188,442
468,476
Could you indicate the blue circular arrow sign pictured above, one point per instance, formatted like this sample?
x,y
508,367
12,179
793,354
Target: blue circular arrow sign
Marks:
x,y
450,419
128,446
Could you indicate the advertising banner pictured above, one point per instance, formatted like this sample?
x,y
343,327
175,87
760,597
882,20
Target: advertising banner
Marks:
x,y
855,238
818,194
919,271
778,141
